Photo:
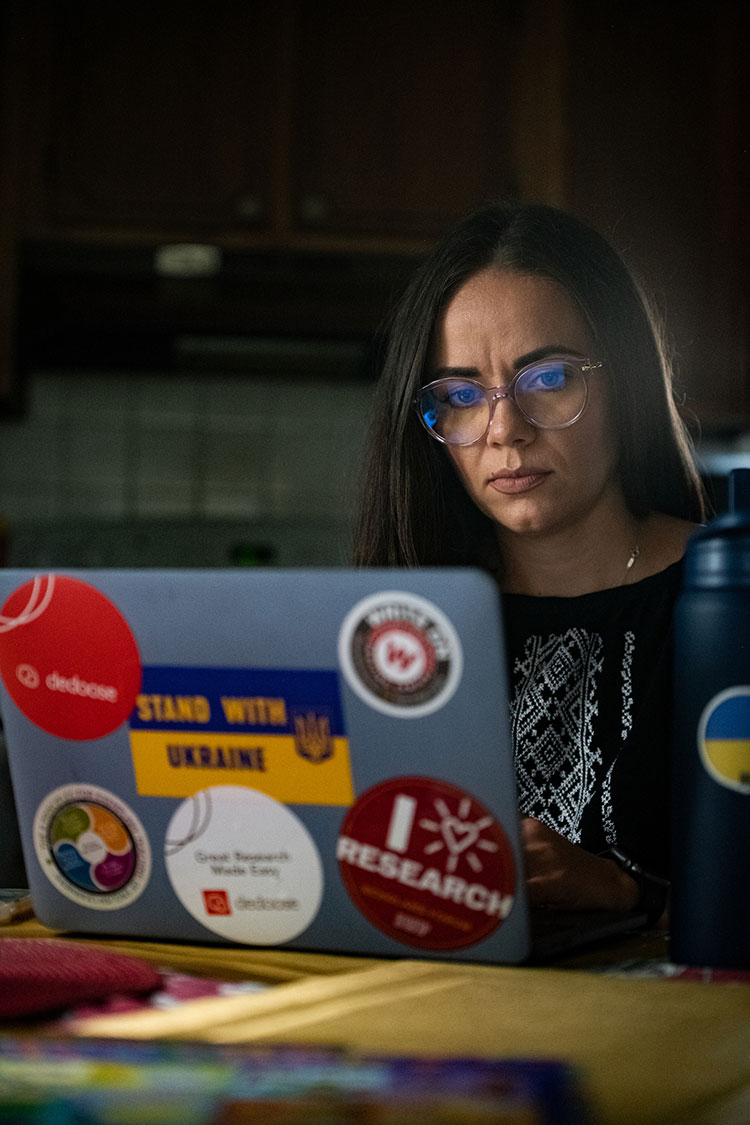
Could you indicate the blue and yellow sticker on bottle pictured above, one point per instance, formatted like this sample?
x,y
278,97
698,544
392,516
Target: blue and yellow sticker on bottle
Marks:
x,y
724,738
275,730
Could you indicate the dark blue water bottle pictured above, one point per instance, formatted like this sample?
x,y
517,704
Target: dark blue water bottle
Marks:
x,y
710,909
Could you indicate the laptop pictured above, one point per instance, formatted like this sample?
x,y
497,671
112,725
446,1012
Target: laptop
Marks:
x,y
306,759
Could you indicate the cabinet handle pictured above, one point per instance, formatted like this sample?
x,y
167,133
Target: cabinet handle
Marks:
x,y
249,207
315,208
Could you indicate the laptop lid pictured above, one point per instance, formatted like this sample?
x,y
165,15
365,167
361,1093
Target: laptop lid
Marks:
x,y
312,759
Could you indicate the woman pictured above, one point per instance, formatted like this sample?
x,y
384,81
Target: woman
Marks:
x,y
524,422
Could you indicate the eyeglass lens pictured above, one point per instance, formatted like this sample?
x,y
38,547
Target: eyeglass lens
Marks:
x,y
549,395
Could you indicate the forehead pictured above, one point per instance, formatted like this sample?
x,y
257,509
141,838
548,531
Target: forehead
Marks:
x,y
503,315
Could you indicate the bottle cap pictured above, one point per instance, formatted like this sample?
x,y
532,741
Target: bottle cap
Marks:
x,y
718,554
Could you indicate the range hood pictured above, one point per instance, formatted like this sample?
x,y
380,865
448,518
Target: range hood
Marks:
x,y
192,306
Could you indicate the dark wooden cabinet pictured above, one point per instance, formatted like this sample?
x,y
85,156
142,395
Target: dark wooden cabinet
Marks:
x,y
400,114
275,118
269,126
161,115
327,127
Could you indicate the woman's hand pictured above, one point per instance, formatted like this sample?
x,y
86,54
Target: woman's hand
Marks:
x,y
562,874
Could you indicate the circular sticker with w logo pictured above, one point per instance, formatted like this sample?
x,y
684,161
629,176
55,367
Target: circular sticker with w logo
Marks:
x,y
400,653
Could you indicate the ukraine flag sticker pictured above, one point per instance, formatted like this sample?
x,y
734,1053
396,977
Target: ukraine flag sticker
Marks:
x,y
724,738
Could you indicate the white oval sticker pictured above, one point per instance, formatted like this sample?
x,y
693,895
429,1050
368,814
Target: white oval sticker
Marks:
x,y
244,865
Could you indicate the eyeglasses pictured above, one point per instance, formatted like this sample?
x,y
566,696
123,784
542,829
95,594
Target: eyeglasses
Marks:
x,y
550,394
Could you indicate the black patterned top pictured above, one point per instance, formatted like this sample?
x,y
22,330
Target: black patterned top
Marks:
x,y
591,690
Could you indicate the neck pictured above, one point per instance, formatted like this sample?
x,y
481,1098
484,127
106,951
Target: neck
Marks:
x,y
572,561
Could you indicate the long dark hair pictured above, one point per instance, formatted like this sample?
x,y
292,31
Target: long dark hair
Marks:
x,y
413,510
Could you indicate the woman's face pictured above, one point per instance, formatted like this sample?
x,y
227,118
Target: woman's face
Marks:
x,y
528,480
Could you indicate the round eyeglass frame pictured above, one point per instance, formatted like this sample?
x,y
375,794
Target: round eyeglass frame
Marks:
x,y
493,395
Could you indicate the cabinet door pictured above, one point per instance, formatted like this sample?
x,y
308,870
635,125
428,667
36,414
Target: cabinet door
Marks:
x,y
398,113
163,114
659,157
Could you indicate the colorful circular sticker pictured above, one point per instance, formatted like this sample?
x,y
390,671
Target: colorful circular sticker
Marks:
x,y
400,654
244,865
724,738
427,863
92,847
68,657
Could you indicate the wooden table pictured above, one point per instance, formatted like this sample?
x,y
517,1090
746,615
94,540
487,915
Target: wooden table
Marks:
x,y
647,1050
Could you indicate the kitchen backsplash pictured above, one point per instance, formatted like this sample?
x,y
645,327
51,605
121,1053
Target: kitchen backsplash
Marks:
x,y
120,468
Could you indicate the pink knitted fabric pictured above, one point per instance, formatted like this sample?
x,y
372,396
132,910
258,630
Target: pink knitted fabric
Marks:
x,y
40,975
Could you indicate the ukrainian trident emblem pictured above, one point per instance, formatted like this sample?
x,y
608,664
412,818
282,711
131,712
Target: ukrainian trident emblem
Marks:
x,y
312,736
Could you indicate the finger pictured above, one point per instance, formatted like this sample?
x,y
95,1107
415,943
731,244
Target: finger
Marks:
x,y
533,829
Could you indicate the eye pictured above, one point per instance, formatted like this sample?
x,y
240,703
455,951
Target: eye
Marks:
x,y
463,395
547,377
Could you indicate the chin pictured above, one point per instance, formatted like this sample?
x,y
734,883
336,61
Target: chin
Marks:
x,y
524,519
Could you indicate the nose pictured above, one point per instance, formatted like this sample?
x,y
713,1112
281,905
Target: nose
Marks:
x,y
507,424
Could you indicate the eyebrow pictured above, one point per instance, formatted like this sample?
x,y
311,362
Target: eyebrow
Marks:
x,y
542,353
522,361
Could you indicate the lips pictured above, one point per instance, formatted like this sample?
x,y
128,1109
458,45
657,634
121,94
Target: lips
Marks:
x,y
510,483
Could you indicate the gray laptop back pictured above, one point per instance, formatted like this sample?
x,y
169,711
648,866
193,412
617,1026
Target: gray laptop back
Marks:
x,y
311,759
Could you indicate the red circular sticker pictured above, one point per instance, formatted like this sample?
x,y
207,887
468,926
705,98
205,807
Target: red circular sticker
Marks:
x,y
427,863
68,657
399,657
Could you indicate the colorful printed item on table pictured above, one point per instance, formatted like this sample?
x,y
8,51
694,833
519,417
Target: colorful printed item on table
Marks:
x,y
210,1084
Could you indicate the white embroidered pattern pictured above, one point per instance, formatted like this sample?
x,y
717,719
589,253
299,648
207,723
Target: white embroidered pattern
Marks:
x,y
608,812
626,678
553,733
627,684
